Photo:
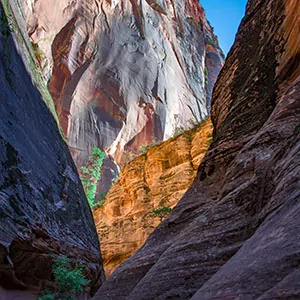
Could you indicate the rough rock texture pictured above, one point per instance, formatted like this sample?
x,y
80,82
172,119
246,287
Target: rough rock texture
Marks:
x,y
43,209
150,182
125,72
235,232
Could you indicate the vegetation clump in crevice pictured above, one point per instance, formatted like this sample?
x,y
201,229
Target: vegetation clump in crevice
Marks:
x,y
193,123
210,41
99,203
144,148
192,20
4,26
210,139
162,212
178,130
206,76
128,155
69,281
91,174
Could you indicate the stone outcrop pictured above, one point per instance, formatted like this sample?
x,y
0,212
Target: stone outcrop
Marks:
x,y
154,181
235,232
43,209
123,73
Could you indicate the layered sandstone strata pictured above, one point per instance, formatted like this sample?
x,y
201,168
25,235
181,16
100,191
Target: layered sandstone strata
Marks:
x,y
153,182
235,232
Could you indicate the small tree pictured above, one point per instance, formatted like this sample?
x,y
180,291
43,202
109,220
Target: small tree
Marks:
x,y
91,174
68,282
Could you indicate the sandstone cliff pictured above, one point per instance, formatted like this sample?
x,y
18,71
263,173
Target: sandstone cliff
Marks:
x,y
235,232
43,209
148,187
125,72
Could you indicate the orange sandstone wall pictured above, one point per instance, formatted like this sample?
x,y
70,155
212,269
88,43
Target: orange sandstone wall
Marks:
x,y
154,180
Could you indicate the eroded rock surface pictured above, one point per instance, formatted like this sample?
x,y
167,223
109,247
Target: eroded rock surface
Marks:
x,y
235,232
124,73
43,209
154,181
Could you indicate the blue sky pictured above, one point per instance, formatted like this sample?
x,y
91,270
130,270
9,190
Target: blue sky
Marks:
x,y
225,16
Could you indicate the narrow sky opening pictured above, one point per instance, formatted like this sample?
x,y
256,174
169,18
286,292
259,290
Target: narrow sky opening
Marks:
x,y
225,17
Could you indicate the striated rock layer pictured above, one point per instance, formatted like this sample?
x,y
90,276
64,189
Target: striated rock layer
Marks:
x,y
43,209
125,72
235,232
153,181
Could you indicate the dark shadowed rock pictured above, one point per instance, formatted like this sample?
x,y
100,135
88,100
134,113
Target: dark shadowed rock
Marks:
x,y
235,233
43,209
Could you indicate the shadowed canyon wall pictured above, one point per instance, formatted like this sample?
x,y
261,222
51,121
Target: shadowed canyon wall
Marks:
x,y
43,209
154,181
123,73
235,232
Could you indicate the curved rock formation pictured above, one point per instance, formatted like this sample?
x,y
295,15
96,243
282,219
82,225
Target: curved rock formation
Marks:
x,y
43,209
235,232
124,73
152,182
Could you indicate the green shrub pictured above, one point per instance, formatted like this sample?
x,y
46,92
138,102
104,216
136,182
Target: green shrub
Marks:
x,y
210,139
206,75
47,295
91,174
114,180
145,148
162,212
99,204
193,122
206,72
127,157
178,130
210,41
4,26
69,281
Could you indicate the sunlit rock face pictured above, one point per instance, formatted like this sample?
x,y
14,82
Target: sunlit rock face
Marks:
x,y
151,182
43,209
234,234
124,73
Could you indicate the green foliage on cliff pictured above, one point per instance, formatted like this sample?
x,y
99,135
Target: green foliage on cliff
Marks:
x,y
4,26
192,124
69,281
210,41
162,212
178,130
91,174
144,148
206,75
210,139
